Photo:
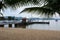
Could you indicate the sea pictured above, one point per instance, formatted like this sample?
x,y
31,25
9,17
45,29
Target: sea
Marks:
x,y
53,25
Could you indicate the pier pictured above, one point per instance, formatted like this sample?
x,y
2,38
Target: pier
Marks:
x,y
15,23
24,22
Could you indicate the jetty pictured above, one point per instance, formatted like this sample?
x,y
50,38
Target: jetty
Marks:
x,y
24,21
15,23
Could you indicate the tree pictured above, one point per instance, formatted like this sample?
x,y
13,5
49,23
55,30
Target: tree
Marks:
x,y
49,7
15,3
1,5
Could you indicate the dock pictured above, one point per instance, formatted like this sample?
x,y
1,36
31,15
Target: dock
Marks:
x,y
15,23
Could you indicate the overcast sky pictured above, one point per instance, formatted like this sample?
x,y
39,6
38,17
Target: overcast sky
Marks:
x,y
10,12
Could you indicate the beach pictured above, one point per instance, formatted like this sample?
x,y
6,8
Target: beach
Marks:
x,y
28,34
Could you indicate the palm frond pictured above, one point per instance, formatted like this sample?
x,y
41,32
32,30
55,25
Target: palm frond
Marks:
x,y
1,14
40,10
13,2
54,4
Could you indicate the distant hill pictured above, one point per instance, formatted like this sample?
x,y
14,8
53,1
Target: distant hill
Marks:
x,y
10,18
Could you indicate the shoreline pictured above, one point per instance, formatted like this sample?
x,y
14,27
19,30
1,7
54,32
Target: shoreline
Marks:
x,y
28,34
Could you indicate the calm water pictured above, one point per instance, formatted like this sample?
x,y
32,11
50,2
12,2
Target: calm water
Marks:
x,y
52,26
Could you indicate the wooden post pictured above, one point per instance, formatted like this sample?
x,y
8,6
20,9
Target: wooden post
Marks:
x,y
24,20
10,25
24,23
1,25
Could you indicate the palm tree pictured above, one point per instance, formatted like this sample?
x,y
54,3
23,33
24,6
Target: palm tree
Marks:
x,y
15,3
1,5
49,7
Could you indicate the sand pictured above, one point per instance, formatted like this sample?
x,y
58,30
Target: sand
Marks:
x,y
26,34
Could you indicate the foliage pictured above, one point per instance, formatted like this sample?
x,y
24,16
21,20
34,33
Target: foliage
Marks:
x,y
49,7
14,2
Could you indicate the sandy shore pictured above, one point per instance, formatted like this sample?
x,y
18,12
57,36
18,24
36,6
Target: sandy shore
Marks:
x,y
25,34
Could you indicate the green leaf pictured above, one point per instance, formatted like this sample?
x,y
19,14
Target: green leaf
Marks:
x,y
40,10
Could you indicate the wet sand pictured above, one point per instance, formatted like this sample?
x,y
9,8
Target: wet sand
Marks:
x,y
28,34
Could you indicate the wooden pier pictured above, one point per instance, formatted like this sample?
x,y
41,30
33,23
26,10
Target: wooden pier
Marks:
x,y
19,24
28,23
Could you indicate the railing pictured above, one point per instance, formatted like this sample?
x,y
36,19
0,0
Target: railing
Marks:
x,y
28,20
44,19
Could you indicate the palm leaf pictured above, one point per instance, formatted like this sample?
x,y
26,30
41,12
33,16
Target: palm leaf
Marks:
x,y
54,4
50,6
13,2
40,10
1,14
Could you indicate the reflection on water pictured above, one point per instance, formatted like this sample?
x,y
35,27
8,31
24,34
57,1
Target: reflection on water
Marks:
x,y
52,26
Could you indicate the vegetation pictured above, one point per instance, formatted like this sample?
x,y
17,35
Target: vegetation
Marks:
x,y
49,6
14,3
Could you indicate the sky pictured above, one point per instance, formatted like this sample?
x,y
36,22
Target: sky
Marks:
x,y
11,12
